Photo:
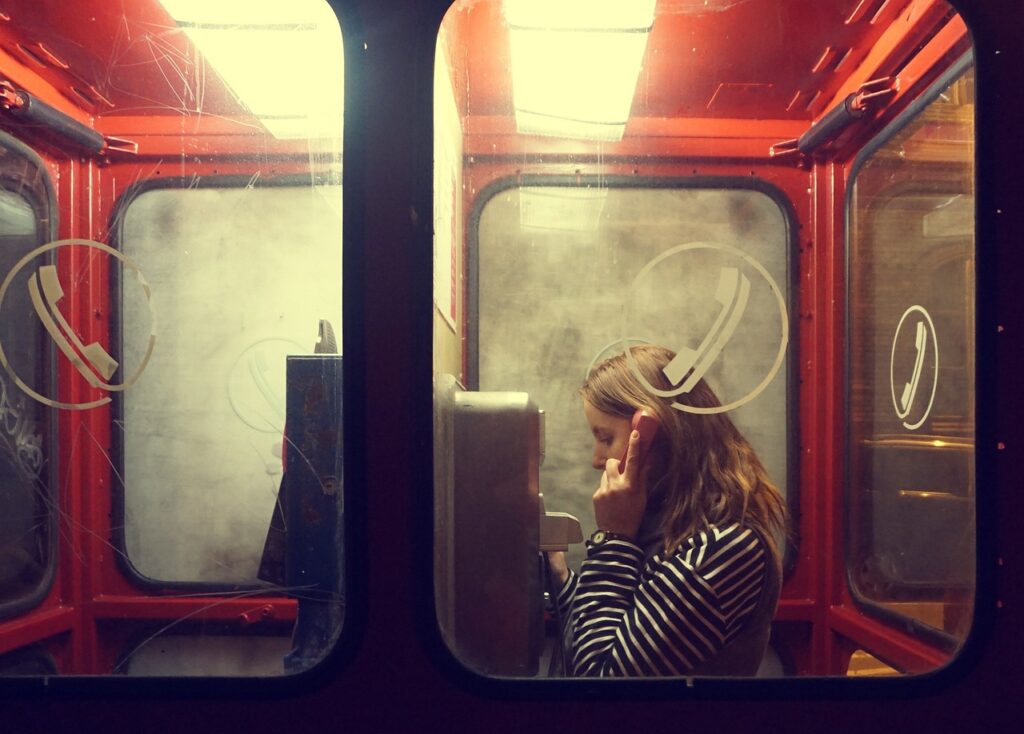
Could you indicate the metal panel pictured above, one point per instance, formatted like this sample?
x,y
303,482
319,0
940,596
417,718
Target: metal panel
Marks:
x,y
488,589
313,504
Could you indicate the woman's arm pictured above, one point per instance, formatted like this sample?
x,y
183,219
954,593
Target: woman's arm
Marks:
x,y
671,616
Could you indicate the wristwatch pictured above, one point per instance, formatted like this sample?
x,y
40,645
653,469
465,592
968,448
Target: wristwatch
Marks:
x,y
599,537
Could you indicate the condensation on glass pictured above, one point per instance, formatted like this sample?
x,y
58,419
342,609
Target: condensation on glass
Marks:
x,y
241,278
171,474
530,331
911,412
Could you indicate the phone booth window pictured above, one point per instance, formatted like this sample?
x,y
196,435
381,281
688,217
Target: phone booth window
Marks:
x,y
566,248
911,369
705,270
171,443
27,502
641,213
248,307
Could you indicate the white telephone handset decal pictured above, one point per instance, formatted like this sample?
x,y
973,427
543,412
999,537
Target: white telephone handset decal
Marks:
x,y
910,388
732,292
907,397
93,356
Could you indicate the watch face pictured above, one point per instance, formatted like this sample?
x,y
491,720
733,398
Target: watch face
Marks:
x,y
598,536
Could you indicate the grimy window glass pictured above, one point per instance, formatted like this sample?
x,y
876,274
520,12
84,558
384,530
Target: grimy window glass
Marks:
x,y
911,512
533,332
241,278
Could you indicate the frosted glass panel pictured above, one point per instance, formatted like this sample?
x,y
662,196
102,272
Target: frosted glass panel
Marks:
x,y
240,280
645,264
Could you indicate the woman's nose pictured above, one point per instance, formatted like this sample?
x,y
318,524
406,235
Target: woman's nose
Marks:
x,y
597,460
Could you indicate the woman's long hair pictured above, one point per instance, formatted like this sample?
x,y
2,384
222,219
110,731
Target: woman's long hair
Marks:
x,y
710,473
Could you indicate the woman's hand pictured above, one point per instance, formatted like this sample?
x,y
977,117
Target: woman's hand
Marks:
x,y
620,501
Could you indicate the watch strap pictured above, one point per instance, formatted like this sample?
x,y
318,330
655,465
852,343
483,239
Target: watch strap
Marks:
x,y
599,537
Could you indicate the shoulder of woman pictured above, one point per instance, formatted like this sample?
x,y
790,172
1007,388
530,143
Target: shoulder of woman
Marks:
x,y
717,546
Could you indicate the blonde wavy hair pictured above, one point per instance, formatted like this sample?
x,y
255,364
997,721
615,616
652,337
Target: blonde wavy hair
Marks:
x,y
705,470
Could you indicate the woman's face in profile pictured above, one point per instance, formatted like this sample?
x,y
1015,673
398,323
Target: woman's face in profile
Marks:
x,y
610,432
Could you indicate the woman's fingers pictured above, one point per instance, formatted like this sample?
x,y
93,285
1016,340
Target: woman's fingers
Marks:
x,y
620,500
632,469
620,495
627,468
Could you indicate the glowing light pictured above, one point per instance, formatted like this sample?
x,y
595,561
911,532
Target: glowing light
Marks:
x,y
575,64
577,15
279,59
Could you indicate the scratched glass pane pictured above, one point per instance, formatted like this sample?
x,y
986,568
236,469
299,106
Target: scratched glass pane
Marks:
x,y
171,481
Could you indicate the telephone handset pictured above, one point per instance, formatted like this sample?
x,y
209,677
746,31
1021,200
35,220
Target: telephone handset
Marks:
x,y
910,388
647,425
86,358
732,293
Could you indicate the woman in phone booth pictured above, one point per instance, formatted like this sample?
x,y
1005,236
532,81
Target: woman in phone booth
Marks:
x,y
682,576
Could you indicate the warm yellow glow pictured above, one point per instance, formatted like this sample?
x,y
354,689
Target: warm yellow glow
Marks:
x,y
283,61
581,14
866,664
575,64
926,494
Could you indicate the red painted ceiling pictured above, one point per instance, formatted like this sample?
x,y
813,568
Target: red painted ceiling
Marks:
x,y
122,56
756,59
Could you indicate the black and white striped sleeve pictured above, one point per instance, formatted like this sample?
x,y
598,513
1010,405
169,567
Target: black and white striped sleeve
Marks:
x,y
669,616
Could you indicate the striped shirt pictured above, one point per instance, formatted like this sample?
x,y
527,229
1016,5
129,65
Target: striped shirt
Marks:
x,y
665,616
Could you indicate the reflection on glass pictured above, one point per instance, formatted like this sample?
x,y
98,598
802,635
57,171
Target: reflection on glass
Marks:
x,y
911,313
171,479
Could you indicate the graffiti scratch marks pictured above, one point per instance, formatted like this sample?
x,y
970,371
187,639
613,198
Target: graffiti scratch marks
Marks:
x,y
20,438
